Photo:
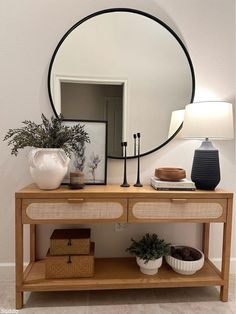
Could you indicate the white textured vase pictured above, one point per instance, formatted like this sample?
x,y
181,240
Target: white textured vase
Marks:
x,y
48,167
149,268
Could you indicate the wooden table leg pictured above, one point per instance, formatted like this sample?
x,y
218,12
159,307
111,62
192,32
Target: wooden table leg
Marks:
x,y
32,243
226,252
205,239
19,254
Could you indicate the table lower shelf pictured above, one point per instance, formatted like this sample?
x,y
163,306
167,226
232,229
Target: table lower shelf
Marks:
x,y
119,273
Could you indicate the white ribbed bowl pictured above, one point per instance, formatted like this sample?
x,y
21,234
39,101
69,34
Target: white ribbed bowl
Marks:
x,y
185,267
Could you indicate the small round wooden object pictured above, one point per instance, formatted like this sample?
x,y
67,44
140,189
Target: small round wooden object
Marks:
x,y
170,174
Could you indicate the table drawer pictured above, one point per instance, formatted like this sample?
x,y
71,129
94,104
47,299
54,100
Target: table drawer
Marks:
x,y
71,210
153,210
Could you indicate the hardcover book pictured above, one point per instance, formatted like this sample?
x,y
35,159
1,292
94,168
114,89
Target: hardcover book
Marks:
x,y
181,185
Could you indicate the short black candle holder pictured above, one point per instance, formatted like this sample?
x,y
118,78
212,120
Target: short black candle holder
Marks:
x,y
138,183
125,183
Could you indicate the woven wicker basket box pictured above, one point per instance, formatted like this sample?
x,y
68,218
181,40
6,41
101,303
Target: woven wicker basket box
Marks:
x,y
70,241
70,266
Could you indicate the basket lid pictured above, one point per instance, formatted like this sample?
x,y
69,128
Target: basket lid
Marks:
x,y
91,253
71,234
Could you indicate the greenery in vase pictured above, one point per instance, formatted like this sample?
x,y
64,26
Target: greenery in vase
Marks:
x,y
150,247
49,134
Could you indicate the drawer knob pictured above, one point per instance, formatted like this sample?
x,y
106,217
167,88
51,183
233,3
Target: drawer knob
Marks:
x,y
75,200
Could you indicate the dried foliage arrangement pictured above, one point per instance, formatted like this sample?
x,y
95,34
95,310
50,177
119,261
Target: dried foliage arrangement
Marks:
x,y
93,164
49,134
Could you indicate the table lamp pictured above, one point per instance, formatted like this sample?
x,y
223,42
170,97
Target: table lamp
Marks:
x,y
207,120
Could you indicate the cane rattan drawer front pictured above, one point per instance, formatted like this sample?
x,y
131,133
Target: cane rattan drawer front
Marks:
x,y
72,210
154,210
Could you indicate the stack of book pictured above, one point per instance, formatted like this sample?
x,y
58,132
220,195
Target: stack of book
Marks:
x,y
181,185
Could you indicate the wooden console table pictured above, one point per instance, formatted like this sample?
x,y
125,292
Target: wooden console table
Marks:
x,y
111,204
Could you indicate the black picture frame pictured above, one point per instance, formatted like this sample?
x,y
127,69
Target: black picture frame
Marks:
x,y
89,125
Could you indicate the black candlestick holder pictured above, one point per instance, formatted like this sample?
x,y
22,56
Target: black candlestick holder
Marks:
x,y
138,183
125,183
135,143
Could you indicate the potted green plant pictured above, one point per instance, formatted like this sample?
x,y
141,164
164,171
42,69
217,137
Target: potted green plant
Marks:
x,y
149,252
52,144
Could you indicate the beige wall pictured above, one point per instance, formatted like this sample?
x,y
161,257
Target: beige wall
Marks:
x,y
29,32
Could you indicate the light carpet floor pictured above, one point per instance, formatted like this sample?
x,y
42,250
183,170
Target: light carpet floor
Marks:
x,y
204,300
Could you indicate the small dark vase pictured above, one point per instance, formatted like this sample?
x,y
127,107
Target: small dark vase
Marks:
x,y
77,180
206,167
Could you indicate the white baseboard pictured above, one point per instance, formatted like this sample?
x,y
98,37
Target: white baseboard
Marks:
x,y
7,270
217,262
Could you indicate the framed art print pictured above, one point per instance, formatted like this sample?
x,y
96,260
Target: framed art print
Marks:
x,y
94,154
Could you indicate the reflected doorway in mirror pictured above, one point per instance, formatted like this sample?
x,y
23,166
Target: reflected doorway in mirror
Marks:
x,y
95,99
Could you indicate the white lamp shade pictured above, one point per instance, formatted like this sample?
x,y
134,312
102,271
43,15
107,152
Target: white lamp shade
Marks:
x,y
213,119
177,117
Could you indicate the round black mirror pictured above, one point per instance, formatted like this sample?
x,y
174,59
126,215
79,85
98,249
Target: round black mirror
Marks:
x,y
126,67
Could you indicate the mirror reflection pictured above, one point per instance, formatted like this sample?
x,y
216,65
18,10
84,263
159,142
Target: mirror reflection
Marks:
x,y
126,68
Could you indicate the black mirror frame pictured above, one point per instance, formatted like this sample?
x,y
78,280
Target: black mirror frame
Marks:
x,y
136,12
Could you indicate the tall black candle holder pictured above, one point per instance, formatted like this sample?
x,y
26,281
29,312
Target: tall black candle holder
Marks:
x,y
135,143
125,183
138,183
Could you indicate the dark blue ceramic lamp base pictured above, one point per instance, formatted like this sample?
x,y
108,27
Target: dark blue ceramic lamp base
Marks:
x,y
206,169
